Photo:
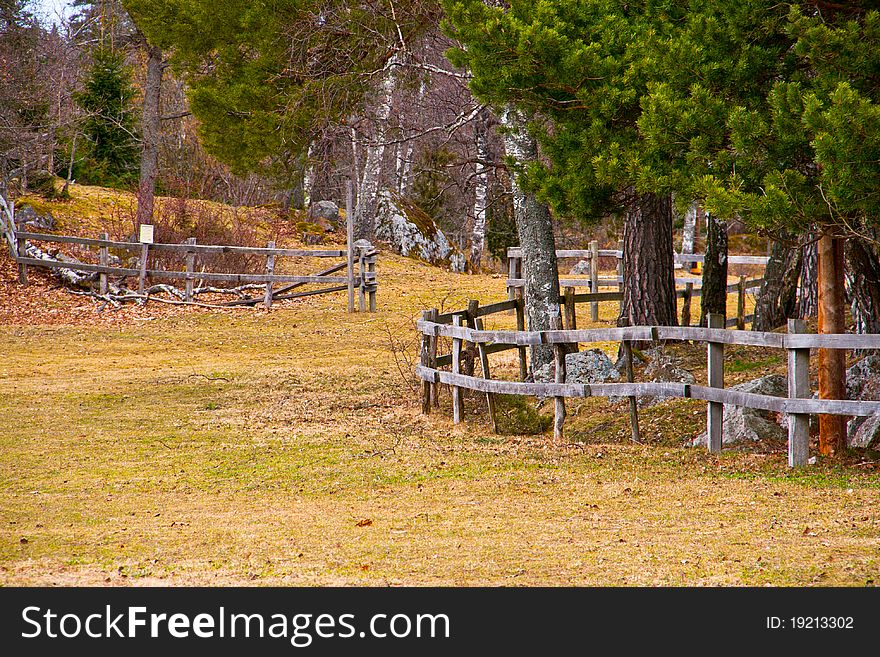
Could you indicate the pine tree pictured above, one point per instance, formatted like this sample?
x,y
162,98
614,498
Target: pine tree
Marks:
x,y
111,151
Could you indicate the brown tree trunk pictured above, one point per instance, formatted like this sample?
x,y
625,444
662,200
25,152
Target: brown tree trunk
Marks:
x,y
808,287
150,136
713,294
777,299
648,262
863,285
832,364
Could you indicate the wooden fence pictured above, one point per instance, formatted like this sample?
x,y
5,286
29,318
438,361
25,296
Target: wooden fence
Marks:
x,y
359,265
689,287
465,329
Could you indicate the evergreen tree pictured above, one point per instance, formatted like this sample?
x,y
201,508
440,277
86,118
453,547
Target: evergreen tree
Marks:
x,y
111,152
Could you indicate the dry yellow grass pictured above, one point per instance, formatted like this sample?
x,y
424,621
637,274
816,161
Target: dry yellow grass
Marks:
x,y
197,447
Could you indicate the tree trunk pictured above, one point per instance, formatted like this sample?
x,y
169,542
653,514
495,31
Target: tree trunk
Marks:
x,y
808,288
832,364
534,227
863,285
713,294
777,299
648,264
481,190
150,136
368,190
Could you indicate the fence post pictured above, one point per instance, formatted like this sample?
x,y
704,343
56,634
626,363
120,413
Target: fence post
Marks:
x,y
371,271
473,309
521,326
715,410
570,316
559,377
686,297
270,270
630,378
594,279
426,362
349,244
741,304
620,272
798,388
104,261
432,362
21,251
190,267
456,369
512,272
362,279
145,252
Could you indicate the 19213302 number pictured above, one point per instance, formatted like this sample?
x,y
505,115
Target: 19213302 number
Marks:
x,y
821,622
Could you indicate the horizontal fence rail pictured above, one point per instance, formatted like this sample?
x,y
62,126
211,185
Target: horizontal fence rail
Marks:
x,y
360,275
464,328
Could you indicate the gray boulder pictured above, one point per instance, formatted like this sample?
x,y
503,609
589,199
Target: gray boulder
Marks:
x,y
662,368
325,212
864,432
411,232
591,366
31,219
582,268
743,425
863,382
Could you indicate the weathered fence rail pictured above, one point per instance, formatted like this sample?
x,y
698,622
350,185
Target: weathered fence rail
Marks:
x,y
360,265
464,329
691,287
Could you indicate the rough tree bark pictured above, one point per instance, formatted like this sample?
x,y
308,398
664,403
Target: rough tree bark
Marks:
x,y
808,287
535,230
481,189
713,294
863,285
648,263
150,135
832,363
368,189
777,298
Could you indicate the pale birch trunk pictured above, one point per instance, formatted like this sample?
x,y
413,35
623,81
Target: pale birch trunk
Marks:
x,y
481,190
368,192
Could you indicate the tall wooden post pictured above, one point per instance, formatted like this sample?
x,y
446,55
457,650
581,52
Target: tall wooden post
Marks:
x,y
594,279
473,310
270,270
349,244
570,309
832,363
620,273
521,326
371,273
190,268
715,410
432,361
514,267
104,261
741,304
798,388
635,432
362,279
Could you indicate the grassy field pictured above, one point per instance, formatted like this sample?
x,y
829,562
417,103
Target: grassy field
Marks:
x,y
194,447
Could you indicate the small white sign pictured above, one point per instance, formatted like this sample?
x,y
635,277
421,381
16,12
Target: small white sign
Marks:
x,y
146,234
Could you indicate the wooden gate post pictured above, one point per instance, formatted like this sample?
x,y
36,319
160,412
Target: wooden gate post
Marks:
x,y
270,270
715,410
798,388
594,279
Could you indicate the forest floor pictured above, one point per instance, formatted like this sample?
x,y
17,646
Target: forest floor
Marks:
x,y
163,445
